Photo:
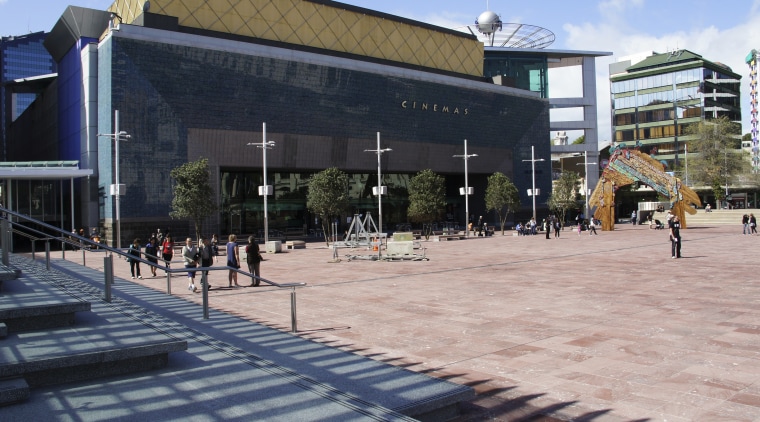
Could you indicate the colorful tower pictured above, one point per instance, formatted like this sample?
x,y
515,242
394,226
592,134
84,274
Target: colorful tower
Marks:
x,y
752,62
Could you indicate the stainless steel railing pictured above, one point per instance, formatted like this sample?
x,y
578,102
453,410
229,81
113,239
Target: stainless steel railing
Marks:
x,y
43,232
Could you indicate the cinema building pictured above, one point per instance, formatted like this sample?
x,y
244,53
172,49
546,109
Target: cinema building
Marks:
x,y
321,80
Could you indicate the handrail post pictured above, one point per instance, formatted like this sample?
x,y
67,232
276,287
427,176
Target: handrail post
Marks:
x,y
47,254
168,280
6,239
204,288
34,249
108,274
63,248
293,319
84,263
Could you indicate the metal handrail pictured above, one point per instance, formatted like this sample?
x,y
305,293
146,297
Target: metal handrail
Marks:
x,y
81,242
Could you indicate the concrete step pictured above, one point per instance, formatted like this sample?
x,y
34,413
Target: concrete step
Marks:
x,y
13,390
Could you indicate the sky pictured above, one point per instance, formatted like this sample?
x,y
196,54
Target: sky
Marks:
x,y
724,31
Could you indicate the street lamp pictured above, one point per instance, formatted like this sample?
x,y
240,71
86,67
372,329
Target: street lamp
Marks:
x,y
533,191
266,189
587,191
379,190
467,190
117,189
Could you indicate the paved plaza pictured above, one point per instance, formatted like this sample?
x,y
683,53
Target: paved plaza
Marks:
x,y
604,328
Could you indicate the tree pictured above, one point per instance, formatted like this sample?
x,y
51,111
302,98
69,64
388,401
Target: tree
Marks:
x,y
564,193
193,196
714,148
580,140
328,195
427,199
501,196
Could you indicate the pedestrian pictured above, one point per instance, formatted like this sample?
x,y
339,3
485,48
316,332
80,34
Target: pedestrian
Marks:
x,y
591,226
675,237
190,259
215,244
633,217
745,224
479,227
753,223
207,258
233,259
160,240
557,227
167,250
151,254
533,226
134,263
580,226
253,259
548,225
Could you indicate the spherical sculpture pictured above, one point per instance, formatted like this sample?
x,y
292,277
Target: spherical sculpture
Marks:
x,y
488,22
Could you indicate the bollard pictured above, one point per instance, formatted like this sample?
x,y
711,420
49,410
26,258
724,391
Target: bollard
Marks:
x,y
204,288
293,323
108,274
47,254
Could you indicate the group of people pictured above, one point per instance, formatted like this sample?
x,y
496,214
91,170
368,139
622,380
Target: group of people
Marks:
x,y
553,224
161,246
749,224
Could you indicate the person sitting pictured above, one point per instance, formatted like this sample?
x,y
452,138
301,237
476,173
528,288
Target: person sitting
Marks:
x,y
658,225
519,229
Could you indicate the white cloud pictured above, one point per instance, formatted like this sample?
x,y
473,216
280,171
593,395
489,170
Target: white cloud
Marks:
x,y
729,46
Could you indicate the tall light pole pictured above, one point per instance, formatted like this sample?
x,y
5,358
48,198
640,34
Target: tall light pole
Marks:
x,y
467,191
266,189
586,192
117,189
533,192
379,190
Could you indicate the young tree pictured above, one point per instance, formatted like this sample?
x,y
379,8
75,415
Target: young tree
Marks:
x,y
564,193
501,196
328,195
193,196
714,148
427,199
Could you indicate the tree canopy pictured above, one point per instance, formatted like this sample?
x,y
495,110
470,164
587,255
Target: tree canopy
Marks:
x,y
427,197
714,149
328,194
564,193
501,196
193,196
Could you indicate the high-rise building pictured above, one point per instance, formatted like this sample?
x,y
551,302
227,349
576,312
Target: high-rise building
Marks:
x,y
751,61
21,57
656,96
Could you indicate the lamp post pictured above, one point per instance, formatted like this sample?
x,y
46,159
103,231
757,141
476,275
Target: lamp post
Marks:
x,y
379,190
586,192
117,188
467,190
266,189
533,161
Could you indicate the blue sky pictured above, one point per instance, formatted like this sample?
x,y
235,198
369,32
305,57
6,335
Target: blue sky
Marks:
x,y
723,31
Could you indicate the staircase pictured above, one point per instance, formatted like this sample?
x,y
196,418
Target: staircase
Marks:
x,y
715,218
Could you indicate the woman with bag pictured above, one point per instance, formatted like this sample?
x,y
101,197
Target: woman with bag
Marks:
x,y
253,258
167,249
190,258
233,259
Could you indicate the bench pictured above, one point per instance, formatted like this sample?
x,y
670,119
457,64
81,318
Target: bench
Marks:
x,y
295,244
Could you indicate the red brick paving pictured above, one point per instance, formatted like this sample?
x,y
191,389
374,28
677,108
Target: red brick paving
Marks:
x,y
607,327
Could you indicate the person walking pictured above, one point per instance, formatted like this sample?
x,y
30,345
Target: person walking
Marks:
x,y
557,227
753,223
548,226
190,259
633,217
134,264
675,237
207,258
745,224
167,250
591,226
233,259
253,259
151,254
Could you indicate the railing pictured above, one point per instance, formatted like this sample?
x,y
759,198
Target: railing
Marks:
x,y
46,233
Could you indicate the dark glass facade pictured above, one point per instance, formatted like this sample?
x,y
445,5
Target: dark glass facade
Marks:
x,y
183,102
